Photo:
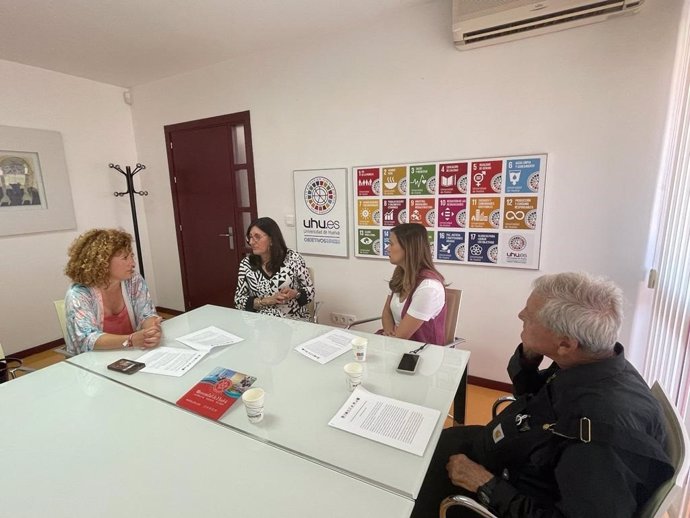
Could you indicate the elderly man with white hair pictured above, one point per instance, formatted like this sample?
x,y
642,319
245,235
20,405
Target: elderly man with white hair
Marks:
x,y
585,436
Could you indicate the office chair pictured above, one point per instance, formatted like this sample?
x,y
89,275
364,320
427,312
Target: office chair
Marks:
x,y
313,306
62,318
8,371
661,499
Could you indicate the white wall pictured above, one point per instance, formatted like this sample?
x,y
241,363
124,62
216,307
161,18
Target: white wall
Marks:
x,y
593,98
96,128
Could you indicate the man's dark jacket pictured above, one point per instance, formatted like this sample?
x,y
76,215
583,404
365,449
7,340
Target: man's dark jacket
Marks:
x,y
585,441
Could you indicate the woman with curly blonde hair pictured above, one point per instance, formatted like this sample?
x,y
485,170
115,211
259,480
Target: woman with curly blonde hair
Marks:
x,y
108,305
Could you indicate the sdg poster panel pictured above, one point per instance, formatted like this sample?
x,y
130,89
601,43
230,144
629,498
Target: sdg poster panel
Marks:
x,y
477,211
321,211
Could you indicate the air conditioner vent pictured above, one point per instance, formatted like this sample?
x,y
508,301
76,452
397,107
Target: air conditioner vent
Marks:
x,y
516,19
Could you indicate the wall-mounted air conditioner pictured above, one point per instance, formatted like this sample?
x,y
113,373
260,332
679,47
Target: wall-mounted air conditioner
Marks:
x,y
485,22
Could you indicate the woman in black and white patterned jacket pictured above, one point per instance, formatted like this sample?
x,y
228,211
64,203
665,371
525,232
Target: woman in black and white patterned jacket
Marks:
x,y
273,280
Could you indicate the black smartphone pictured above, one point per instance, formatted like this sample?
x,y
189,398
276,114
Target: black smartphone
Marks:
x,y
126,366
408,363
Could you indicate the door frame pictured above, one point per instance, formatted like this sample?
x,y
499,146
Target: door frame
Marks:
x,y
233,119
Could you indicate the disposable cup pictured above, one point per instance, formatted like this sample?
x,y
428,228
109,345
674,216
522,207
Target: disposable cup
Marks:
x,y
253,400
353,375
359,347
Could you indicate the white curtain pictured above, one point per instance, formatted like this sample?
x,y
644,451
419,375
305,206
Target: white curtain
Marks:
x,y
668,351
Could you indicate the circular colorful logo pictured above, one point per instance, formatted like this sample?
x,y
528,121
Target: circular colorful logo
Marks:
x,y
462,184
517,243
222,385
496,182
492,253
431,185
320,195
461,218
431,217
495,218
376,187
376,247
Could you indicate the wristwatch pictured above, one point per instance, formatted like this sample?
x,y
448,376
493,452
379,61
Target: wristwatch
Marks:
x,y
484,492
128,342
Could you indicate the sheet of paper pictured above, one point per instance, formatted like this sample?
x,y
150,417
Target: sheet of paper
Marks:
x,y
209,337
170,361
327,346
403,425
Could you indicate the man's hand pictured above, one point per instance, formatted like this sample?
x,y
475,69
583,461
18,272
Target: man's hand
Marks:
x,y
466,473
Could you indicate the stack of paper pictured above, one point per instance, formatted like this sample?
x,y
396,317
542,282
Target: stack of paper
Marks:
x,y
403,425
170,361
208,338
327,346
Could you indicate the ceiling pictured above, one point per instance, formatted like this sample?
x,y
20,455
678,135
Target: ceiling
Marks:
x,y
131,42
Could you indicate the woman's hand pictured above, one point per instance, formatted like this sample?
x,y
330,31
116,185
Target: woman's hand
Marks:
x,y
286,294
270,301
388,330
149,337
387,318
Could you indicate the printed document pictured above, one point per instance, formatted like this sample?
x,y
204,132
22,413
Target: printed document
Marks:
x,y
170,361
327,346
403,425
208,338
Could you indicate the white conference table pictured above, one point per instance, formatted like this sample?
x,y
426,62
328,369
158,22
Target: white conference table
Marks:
x,y
75,444
303,395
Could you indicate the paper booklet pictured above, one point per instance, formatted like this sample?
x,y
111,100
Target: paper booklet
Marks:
x,y
403,425
216,392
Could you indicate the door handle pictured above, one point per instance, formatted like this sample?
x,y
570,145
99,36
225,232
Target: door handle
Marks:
x,y
231,238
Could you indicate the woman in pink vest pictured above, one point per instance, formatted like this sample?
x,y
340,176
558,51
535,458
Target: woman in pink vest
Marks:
x,y
416,306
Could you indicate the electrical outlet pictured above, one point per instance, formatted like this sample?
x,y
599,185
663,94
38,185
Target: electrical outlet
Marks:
x,y
342,319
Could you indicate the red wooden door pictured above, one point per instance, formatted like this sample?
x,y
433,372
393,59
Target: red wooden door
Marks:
x,y
214,197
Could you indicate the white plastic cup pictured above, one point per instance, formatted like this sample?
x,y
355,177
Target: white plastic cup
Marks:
x,y
353,375
359,347
253,400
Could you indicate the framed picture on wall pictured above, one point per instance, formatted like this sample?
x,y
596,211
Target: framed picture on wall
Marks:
x,y
477,211
321,211
35,193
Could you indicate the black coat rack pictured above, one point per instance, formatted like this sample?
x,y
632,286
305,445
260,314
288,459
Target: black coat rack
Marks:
x,y
129,175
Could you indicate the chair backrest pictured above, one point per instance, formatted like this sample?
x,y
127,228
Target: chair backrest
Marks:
x,y
676,447
453,298
60,310
313,306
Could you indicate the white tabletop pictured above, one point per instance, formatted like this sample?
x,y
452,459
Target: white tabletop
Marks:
x,y
77,445
302,395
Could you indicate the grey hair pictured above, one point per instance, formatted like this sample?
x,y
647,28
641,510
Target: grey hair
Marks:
x,y
580,306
